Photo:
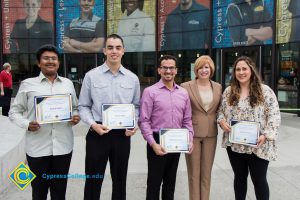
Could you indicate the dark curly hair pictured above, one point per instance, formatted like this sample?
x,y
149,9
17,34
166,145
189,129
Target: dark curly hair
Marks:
x,y
255,86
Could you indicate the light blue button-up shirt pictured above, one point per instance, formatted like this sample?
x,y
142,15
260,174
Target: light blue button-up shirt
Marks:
x,y
101,86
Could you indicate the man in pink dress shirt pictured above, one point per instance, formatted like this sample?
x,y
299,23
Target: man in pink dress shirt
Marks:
x,y
163,105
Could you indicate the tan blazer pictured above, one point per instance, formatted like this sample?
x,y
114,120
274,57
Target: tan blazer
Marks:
x,y
204,123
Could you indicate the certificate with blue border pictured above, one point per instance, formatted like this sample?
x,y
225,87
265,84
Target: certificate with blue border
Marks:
x,y
175,140
244,132
118,116
53,108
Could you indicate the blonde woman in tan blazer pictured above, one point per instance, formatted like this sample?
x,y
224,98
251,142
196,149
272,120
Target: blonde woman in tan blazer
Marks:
x,y
205,96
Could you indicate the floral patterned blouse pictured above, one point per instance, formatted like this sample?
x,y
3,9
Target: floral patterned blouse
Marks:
x,y
267,114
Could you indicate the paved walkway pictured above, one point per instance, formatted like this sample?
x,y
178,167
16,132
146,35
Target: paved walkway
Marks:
x,y
283,175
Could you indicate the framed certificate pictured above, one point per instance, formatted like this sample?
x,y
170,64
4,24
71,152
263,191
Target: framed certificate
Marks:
x,y
244,132
174,140
53,108
118,116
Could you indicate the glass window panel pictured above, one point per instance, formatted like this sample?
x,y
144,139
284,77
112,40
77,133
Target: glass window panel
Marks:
x,y
288,77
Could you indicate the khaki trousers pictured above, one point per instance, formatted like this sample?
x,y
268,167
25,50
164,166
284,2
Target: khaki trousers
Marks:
x,y
199,166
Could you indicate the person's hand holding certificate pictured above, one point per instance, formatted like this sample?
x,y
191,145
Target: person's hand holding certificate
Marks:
x,y
174,140
53,108
118,116
244,132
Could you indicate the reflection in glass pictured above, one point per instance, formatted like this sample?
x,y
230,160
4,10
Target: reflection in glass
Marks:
x,y
288,80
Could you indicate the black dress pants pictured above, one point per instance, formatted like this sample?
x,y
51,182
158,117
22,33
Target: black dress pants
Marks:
x,y
161,170
241,164
115,147
7,94
49,165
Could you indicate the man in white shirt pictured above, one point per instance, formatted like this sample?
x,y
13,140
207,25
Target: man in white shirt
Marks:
x,y
48,146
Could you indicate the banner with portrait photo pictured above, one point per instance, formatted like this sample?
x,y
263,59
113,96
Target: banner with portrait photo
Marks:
x,y
283,21
80,26
134,21
288,21
26,25
183,24
241,23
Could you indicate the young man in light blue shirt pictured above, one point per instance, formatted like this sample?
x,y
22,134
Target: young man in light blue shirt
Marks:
x,y
108,83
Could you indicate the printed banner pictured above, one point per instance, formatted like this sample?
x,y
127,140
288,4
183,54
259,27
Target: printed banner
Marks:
x,y
134,21
288,21
283,21
26,25
80,26
241,23
183,24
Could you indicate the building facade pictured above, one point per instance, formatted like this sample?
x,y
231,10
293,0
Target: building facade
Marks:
x,y
265,30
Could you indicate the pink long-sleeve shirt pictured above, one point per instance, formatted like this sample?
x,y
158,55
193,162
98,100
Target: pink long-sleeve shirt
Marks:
x,y
164,108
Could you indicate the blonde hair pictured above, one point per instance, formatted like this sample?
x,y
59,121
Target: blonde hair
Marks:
x,y
201,61
6,65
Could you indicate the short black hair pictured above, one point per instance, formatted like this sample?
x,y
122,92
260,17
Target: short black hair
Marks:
x,y
167,57
140,5
114,36
46,47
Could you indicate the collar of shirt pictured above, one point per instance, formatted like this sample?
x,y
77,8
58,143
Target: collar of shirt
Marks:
x,y
160,85
106,69
4,71
7,72
42,77
90,17
135,14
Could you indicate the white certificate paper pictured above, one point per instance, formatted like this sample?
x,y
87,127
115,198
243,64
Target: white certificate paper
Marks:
x,y
174,140
118,116
244,132
53,108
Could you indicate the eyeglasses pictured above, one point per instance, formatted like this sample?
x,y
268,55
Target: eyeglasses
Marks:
x,y
173,68
48,58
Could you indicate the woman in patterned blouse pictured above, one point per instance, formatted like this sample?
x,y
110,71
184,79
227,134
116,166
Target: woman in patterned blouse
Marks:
x,y
248,99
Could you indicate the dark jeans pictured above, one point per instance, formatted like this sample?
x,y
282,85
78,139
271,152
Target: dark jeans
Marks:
x,y
7,94
49,165
161,170
241,164
115,147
